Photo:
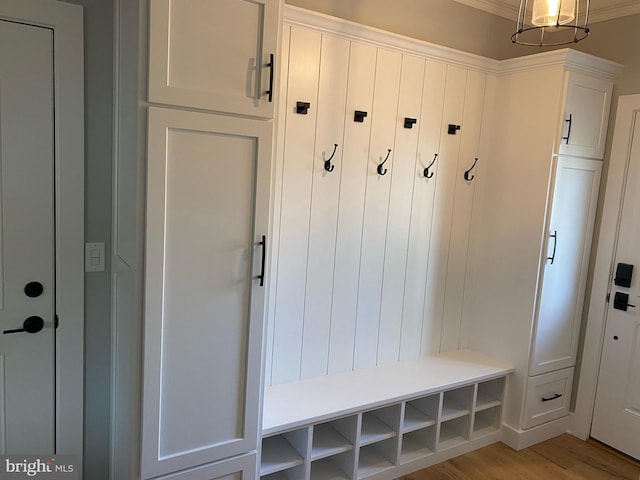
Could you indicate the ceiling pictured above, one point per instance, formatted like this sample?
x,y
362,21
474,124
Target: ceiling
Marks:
x,y
600,9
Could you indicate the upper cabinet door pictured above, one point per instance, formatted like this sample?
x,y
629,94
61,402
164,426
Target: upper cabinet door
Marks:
x,y
214,54
586,116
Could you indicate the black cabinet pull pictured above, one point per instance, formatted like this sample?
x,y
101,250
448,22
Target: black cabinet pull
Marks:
x,y
263,242
557,395
554,235
569,129
272,67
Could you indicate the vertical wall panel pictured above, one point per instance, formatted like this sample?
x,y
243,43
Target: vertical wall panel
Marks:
x,y
355,165
415,281
403,176
274,223
334,67
443,209
385,102
461,219
304,57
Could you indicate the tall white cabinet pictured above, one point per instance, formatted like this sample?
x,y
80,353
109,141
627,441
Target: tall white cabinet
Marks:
x,y
207,212
531,236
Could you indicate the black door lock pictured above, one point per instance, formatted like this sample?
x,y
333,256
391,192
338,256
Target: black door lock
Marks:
x,y
624,271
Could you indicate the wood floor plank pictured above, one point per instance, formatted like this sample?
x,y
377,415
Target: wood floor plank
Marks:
x,y
562,458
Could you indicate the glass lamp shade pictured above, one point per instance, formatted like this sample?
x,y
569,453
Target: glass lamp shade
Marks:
x,y
547,13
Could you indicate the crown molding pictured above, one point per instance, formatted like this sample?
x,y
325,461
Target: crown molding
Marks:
x,y
621,9
502,8
567,58
495,7
381,38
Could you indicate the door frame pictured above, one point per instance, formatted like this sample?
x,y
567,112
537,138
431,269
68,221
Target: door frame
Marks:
x,y
66,21
606,242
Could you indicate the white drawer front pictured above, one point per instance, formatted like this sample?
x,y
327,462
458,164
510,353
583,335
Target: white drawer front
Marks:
x,y
548,397
242,467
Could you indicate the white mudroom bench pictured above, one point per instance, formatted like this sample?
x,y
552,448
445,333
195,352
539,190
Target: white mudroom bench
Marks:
x,y
384,421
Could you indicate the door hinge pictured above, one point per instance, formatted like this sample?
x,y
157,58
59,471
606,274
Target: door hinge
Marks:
x,y
608,297
56,322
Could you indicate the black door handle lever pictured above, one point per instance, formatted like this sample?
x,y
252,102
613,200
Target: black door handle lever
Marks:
x,y
30,325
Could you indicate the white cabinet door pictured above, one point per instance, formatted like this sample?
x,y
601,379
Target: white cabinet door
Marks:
x,y
214,54
207,210
587,105
567,259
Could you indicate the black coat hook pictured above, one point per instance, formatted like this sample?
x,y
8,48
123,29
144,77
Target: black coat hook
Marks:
x,y
427,173
380,168
327,163
468,177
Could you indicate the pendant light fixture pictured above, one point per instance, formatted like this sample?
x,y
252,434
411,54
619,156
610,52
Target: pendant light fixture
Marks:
x,y
551,22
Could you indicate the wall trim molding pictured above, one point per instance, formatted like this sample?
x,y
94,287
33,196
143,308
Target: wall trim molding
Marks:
x,y
381,38
570,59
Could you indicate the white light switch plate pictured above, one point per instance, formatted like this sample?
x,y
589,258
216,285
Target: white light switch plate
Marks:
x,y
94,257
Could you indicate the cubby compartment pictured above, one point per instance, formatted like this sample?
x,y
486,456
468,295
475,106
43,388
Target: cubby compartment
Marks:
x,y
420,413
283,453
380,424
486,421
377,457
456,403
337,467
454,432
295,473
333,438
418,444
489,394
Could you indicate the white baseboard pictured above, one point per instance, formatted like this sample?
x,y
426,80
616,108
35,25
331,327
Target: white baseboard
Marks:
x,y
519,439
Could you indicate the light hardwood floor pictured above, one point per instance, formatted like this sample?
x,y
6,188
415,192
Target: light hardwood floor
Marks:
x,y
563,457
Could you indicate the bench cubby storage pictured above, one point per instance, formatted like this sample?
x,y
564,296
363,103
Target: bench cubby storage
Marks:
x,y
382,422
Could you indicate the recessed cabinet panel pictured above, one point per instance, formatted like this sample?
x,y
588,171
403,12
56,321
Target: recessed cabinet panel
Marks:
x,y
566,262
188,68
586,116
203,310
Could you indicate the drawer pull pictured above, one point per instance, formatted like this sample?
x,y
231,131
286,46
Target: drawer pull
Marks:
x,y
557,395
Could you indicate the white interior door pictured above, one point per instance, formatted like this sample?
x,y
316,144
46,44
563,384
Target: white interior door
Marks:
x,y
27,288
616,417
